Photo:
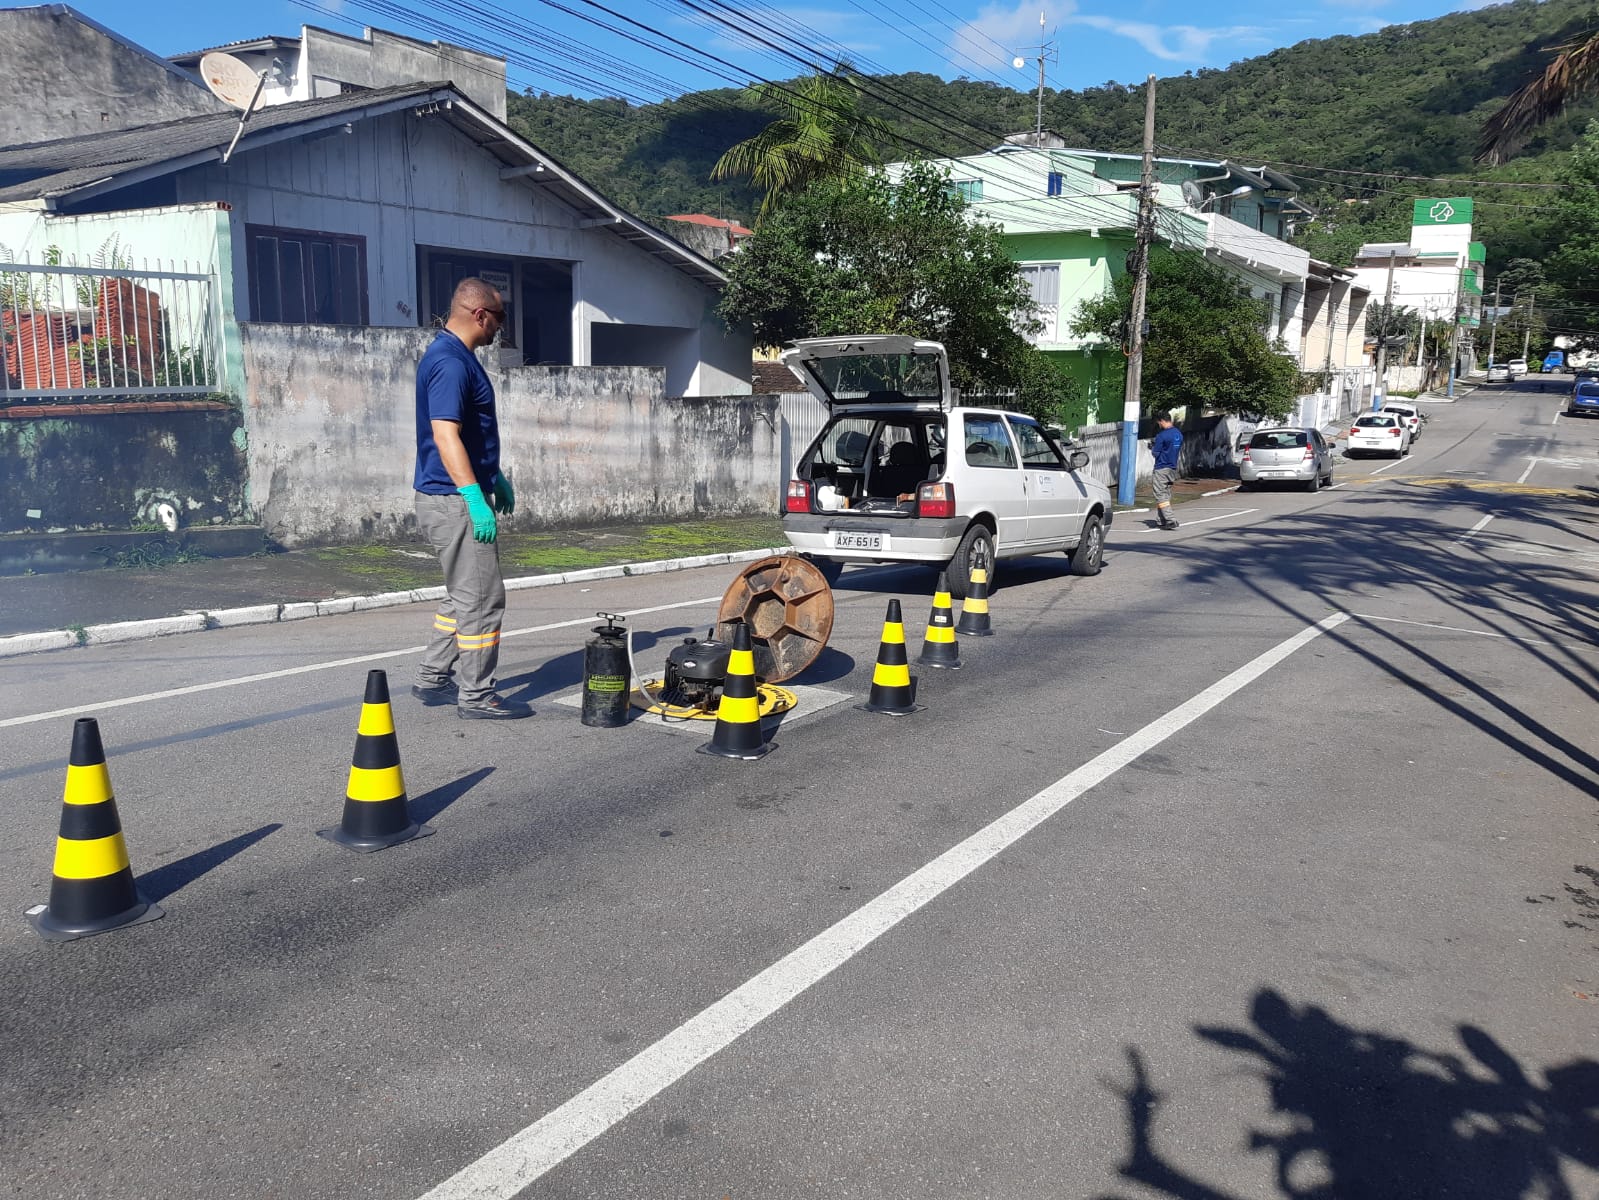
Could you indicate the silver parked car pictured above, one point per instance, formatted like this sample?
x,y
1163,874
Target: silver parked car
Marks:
x,y
1287,455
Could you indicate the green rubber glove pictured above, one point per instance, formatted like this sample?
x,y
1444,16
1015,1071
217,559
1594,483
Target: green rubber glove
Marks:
x,y
504,495
483,524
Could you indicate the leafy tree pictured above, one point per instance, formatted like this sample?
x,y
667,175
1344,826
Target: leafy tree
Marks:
x,y
821,134
1571,73
1572,290
1205,346
864,255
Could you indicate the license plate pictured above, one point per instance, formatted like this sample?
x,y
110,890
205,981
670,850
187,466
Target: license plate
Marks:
x,y
1276,474
857,541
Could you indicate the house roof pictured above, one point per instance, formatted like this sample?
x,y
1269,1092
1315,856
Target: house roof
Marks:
x,y
78,168
192,58
713,222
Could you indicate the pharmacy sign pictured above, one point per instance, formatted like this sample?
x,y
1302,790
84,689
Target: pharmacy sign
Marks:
x,y
1453,210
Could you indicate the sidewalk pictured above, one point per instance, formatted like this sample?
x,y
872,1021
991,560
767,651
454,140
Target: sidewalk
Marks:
x,y
62,609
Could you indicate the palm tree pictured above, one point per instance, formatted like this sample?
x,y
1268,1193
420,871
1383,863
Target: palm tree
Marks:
x,y
1573,71
821,134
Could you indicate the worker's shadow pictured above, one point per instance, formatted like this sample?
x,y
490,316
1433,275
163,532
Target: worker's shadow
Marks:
x,y
565,671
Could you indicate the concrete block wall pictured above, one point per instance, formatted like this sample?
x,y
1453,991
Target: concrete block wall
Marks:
x,y
331,416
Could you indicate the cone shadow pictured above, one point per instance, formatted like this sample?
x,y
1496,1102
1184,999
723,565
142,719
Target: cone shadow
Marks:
x,y
160,883
431,803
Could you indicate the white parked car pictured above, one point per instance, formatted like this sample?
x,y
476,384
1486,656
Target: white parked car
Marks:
x,y
1412,414
1286,455
1518,367
1498,373
902,472
1379,433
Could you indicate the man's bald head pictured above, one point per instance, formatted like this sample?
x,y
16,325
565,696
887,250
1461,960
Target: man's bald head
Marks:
x,y
472,294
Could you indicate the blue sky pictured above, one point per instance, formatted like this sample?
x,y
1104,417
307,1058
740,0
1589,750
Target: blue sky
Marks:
x,y
1094,40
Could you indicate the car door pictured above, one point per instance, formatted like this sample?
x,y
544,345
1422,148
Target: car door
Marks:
x,y
1056,498
1324,457
991,476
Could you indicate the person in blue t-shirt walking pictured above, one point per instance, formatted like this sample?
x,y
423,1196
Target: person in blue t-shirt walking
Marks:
x,y
459,486
1167,447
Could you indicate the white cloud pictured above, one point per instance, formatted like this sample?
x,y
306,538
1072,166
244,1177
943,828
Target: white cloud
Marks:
x,y
1175,43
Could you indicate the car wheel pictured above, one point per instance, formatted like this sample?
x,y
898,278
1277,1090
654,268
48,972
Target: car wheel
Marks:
x,y
1089,554
976,550
1315,482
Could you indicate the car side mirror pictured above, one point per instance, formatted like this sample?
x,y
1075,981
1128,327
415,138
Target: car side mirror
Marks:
x,y
1077,459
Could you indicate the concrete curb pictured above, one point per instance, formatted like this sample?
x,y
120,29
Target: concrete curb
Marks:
x,y
269,614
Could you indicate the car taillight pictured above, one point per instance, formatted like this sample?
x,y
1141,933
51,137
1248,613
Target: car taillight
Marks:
x,y
1310,453
799,496
935,500
1246,457
1396,432
1352,432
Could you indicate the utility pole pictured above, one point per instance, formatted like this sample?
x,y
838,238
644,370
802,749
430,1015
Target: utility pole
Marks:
x,y
1454,336
1127,480
1038,128
1493,326
1526,337
1378,392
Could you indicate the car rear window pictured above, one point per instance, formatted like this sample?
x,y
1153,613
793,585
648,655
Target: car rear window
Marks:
x,y
1588,389
1377,422
1278,439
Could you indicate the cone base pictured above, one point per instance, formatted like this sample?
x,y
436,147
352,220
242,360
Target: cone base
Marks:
x,y
370,845
951,664
890,710
985,631
53,930
749,755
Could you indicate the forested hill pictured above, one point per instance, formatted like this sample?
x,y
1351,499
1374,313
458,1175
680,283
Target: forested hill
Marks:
x,y
1407,100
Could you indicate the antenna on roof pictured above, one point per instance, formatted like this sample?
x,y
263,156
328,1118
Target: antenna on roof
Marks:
x,y
1193,193
233,82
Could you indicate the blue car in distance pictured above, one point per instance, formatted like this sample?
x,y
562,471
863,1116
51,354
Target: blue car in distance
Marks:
x,y
1584,400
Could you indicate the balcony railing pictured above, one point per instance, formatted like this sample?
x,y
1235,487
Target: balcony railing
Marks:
x,y
108,333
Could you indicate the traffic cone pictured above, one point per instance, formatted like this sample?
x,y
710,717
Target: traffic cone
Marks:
x,y
91,886
974,609
939,648
891,677
738,716
375,812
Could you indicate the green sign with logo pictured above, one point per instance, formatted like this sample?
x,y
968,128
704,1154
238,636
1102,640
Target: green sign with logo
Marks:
x,y
1455,210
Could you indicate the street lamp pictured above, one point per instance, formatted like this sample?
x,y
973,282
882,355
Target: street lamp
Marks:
x,y
1242,190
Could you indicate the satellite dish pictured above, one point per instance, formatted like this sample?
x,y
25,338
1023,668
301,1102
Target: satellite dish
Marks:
x,y
1193,193
1018,63
231,80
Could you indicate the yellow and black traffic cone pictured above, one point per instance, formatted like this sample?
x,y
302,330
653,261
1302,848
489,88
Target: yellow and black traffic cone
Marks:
x,y
375,812
939,648
91,888
738,716
891,677
974,609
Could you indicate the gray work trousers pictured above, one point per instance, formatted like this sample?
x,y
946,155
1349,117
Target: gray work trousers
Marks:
x,y
466,626
1160,483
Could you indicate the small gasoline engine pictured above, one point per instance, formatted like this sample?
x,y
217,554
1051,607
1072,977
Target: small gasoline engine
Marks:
x,y
694,673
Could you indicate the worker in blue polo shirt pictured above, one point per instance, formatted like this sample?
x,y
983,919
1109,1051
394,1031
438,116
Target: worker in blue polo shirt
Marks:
x,y
1167,447
459,487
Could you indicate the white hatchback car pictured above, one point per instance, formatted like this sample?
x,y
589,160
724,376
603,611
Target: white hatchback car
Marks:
x,y
902,472
1379,433
1409,411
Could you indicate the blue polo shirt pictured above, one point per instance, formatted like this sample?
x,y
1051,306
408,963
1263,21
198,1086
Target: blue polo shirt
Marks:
x,y
1168,444
451,385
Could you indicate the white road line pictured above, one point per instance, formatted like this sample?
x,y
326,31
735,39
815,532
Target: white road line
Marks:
x,y
1479,525
1204,520
240,680
1556,421
1531,463
526,1156
1509,637
1389,467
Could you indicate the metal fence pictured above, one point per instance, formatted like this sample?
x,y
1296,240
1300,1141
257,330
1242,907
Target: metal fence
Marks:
x,y
99,333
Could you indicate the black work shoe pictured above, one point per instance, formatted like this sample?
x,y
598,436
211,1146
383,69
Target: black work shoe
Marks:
x,y
1170,525
433,697
492,708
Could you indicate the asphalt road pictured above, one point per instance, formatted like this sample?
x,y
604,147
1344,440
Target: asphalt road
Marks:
x,y
1264,864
